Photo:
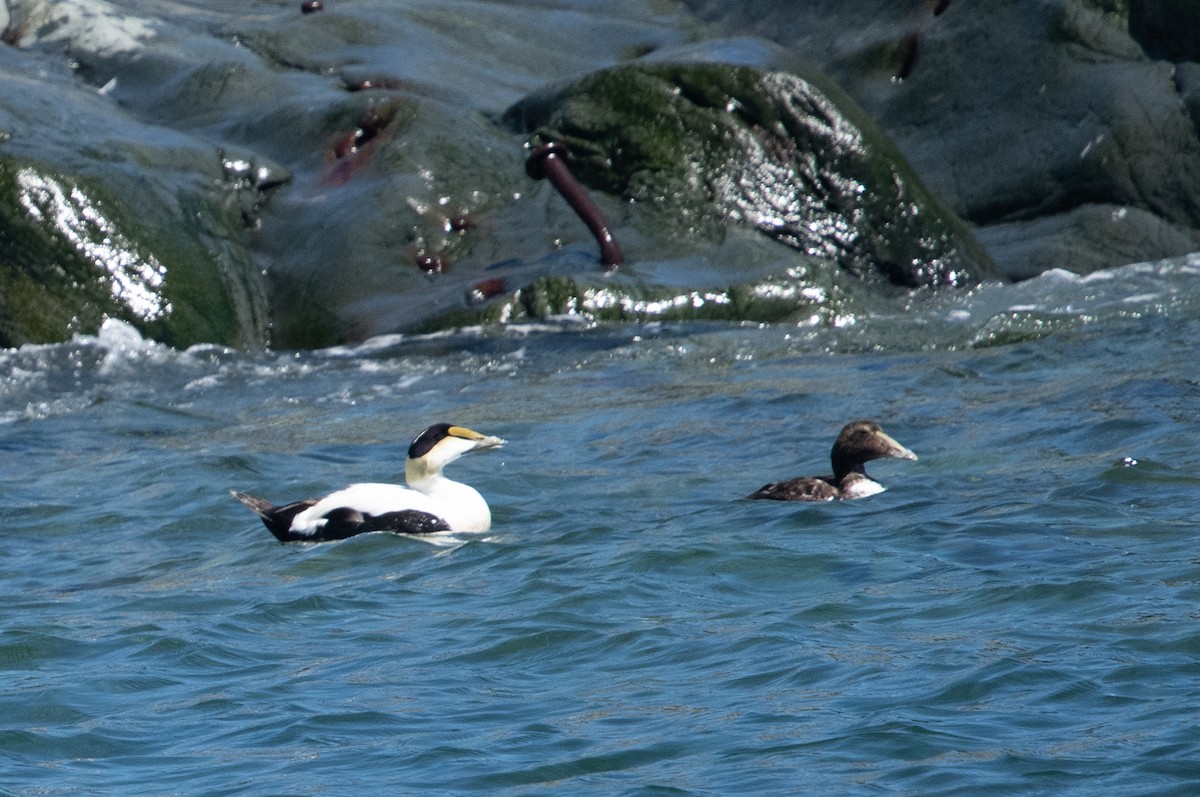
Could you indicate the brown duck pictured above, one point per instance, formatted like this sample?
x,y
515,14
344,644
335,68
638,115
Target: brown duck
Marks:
x,y
859,443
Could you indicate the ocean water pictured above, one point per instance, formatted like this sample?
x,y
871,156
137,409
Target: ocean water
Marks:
x,y
1017,614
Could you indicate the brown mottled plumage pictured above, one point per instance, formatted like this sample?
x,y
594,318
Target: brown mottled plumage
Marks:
x,y
859,443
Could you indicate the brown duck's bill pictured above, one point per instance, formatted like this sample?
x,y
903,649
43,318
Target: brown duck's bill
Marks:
x,y
895,450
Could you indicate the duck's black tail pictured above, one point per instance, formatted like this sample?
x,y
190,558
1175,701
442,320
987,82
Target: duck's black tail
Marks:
x,y
277,519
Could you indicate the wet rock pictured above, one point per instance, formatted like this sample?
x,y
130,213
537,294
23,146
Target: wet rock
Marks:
x,y
233,165
551,298
1187,78
1166,28
74,252
1018,113
102,217
1090,233
706,145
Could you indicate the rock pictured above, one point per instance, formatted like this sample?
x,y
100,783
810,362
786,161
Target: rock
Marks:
x,y
1166,28
101,218
704,145
549,298
1090,233
304,180
1017,112
1187,77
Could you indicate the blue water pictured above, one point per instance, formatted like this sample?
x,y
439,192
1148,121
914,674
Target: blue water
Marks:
x,y
1015,615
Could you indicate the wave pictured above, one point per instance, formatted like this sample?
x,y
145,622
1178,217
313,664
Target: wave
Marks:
x,y
46,380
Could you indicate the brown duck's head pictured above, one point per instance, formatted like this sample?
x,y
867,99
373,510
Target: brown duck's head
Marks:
x,y
862,441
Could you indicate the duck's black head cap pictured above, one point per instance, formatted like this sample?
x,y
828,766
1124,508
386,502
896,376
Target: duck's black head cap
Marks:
x,y
426,440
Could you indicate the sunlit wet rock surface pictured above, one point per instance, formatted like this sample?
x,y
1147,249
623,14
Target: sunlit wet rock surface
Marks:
x,y
706,146
1065,131
271,177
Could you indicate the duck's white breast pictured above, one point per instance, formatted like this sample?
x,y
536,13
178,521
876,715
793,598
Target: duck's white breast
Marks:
x,y
861,488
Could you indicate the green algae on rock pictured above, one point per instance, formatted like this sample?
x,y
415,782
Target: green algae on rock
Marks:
x,y
706,145
74,252
765,302
795,296
1049,126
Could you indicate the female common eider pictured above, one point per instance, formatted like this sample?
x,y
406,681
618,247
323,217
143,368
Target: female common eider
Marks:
x,y
859,443
429,503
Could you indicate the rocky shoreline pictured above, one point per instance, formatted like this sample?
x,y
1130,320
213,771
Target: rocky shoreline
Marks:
x,y
300,180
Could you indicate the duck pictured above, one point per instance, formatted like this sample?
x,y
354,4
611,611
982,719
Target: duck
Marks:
x,y
429,503
859,442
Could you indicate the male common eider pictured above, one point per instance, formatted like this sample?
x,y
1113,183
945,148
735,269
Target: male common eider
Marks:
x,y
859,443
429,503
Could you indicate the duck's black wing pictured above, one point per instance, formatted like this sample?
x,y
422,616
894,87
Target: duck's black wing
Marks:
x,y
340,523
809,488
406,521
